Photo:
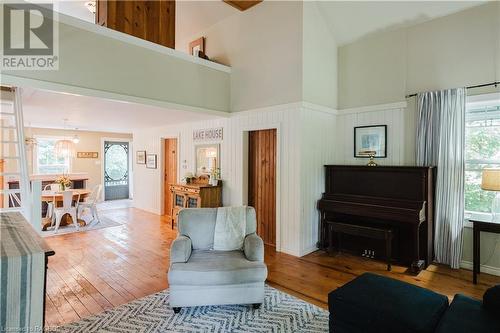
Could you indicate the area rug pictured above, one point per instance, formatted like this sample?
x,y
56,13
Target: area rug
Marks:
x,y
280,312
106,222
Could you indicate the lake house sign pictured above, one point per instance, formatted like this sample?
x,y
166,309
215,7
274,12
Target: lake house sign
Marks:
x,y
210,134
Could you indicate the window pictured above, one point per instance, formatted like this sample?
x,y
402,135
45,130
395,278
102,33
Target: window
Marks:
x,y
46,161
482,149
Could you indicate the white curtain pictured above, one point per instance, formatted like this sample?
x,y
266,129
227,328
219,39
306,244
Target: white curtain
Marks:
x,y
441,143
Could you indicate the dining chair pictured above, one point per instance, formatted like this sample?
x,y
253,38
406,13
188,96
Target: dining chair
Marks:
x,y
91,203
67,208
50,205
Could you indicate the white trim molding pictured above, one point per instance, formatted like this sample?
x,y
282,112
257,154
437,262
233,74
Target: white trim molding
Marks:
x,y
483,268
371,108
18,81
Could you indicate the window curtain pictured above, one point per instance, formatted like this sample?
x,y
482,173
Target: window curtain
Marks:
x,y
441,143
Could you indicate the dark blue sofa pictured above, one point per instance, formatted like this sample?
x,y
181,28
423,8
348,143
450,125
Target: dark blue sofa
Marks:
x,y
374,303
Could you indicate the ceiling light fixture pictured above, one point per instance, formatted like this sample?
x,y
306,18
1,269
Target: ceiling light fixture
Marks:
x,y
76,138
65,148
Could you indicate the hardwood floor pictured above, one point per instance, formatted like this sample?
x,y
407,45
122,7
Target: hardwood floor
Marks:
x,y
99,269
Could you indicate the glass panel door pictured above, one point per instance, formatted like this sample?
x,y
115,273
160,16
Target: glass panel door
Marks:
x,y
116,170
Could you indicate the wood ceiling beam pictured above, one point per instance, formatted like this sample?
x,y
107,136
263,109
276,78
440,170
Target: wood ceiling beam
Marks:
x,y
242,5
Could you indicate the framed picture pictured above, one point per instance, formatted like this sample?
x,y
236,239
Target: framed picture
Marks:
x,y
151,161
140,157
87,154
197,46
207,158
370,140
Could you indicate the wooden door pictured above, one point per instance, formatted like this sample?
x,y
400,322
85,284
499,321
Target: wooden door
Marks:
x,y
1,183
262,182
170,172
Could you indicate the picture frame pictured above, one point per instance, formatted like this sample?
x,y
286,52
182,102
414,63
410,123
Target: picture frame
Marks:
x,y
151,161
197,46
370,140
207,158
140,157
87,154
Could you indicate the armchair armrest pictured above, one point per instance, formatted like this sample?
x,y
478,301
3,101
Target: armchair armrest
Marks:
x,y
181,249
253,247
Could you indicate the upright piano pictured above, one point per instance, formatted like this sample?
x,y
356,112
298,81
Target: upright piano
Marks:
x,y
397,197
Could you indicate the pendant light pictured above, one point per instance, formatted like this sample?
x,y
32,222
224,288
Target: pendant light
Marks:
x,y
64,148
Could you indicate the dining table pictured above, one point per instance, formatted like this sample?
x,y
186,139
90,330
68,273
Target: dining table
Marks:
x,y
56,197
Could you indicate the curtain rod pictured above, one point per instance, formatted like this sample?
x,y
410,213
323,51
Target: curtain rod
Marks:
x,y
496,83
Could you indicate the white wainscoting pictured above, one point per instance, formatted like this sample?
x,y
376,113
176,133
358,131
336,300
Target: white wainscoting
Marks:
x,y
400,120
318,149
297,195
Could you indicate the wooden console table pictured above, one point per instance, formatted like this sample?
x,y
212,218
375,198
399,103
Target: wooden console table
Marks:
x,y
195,195
478,226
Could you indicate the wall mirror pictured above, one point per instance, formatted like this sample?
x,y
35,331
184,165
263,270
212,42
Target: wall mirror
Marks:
x,y
207,158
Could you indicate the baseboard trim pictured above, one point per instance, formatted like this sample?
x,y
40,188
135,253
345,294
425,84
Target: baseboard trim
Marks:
x,y
308,250
484,268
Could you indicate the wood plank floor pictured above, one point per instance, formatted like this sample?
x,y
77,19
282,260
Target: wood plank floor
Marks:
x,y
99,269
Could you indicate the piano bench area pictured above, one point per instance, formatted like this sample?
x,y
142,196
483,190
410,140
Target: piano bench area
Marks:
x,y
384,233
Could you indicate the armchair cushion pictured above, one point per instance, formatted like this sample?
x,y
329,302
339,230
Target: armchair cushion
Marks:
x,y
210,268
254,248
180,250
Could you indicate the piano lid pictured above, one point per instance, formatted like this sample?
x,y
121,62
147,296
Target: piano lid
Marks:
x,y
400,183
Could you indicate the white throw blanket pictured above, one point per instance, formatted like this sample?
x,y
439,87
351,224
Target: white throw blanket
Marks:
x,y
230,227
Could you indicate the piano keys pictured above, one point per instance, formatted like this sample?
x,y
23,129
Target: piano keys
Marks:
x,y
399,197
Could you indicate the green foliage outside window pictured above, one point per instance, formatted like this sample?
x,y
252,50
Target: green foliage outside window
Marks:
x,y
482,150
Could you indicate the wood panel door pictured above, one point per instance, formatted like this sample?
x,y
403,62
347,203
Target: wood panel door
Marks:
x,y
170,173
262,181
1,183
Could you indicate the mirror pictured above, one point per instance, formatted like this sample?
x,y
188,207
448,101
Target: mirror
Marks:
x,y
207,159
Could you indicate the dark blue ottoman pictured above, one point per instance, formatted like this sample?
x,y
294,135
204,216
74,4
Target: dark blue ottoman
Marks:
x,y
467,315
374,303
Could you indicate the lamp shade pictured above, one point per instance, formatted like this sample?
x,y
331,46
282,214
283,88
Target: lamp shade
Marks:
x,y
491,180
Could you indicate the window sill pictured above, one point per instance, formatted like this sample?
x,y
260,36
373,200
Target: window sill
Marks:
x,y
475,215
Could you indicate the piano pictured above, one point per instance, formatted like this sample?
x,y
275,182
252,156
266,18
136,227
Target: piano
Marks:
x,y
396,197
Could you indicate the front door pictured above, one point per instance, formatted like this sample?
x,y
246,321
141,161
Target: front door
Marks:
x,y
170,172
116,170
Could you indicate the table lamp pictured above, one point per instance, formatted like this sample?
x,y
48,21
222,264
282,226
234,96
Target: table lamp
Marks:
x,y
491,182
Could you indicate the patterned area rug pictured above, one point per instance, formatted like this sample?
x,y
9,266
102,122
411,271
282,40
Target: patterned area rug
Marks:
x,y
106,222
279,313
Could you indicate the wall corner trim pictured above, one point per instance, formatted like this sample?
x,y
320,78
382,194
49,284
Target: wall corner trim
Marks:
x,y
378,107
307,251
294,106
319,108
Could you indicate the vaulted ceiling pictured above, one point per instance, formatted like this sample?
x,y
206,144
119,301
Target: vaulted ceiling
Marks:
x,y
352,20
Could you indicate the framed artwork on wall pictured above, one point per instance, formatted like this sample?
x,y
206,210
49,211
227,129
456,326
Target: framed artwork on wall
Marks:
x,y
151,161
197,46
370,141
140,157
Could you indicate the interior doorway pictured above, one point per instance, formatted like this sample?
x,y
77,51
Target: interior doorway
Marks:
x,y
262,181
116,170
169,174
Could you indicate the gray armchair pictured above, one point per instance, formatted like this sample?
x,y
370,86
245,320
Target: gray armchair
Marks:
x,y
199,275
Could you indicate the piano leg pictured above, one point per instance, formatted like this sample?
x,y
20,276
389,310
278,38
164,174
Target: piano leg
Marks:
x,y
417,265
